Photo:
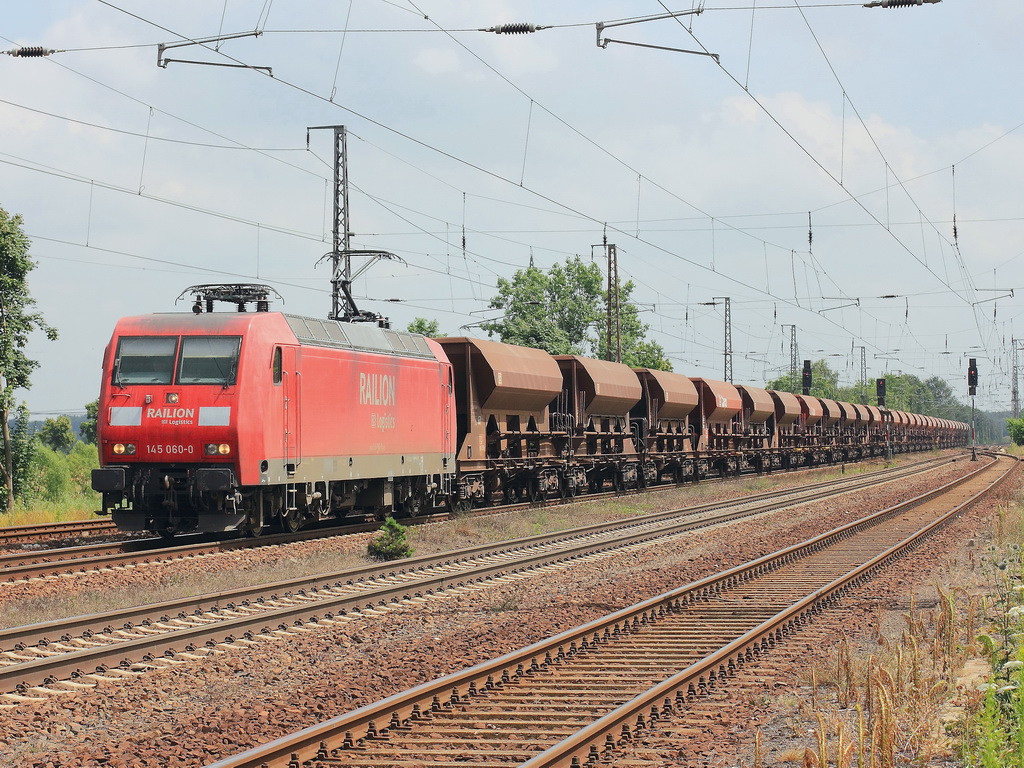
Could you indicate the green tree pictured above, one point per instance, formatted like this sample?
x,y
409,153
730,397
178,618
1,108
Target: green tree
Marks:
x,y
81,461
58,434
390,543
637,352
17,321
23,444
430,328
1016,429
87,429
561,312
824,382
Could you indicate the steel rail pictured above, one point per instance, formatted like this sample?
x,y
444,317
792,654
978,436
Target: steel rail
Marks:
x,y
366,724
110,646
37,531
87,558
42,633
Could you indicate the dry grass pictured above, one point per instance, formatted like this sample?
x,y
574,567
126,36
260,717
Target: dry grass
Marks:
x,y
50,512
888,700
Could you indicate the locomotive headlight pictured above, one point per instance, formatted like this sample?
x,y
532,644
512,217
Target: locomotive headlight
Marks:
x,y
124,448
224,449
172,398
215,449
118,448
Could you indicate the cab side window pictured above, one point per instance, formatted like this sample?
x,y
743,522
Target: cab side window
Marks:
x,y
276,365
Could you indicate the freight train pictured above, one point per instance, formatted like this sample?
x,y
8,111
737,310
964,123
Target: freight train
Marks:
x,y
244,420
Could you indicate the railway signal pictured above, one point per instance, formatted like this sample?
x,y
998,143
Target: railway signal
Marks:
x,y
807,378
972,376
880,392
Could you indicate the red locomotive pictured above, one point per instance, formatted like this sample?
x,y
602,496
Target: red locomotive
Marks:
x,y
222,421
242,420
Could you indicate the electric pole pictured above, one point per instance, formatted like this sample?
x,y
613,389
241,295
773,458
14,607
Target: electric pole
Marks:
x,y
1015,345
613,351
794,356
863,375
728,336
343,307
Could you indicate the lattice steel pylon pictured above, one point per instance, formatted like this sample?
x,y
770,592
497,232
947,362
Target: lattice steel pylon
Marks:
x,y
727,351
1015,346
794,358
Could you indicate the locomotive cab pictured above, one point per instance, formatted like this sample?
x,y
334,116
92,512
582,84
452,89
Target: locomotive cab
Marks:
x,y
168,444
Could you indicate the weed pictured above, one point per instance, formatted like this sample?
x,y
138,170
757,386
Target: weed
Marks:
x,y
506,603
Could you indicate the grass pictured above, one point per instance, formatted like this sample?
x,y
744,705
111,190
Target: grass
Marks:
x,y
910,695
78,508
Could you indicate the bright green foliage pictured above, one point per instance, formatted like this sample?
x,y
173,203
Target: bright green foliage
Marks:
x,y
390,543
431,328
17,321
1016,429
87,429
50,480
81,461
636,351
23,450
903,392
55,476
562,311
58,434
824,382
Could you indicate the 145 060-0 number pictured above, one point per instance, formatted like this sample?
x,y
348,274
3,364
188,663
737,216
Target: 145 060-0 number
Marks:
x,y
171,450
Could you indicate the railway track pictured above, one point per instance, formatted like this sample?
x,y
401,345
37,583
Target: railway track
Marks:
x,y
93,557
581,696
22,534
37,658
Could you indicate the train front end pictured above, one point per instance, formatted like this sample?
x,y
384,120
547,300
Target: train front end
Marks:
x,y
166,426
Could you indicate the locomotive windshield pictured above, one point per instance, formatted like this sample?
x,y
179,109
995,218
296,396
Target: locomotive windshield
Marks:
x,y
145,360
151,360
209,360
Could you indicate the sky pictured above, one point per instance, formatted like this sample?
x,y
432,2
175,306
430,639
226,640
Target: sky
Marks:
x,y
811,171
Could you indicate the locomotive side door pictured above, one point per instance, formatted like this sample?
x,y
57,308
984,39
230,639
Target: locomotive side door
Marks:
x,y
291,392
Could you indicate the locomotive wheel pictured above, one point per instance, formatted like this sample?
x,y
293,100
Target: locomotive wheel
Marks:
x,y
167,532
291,520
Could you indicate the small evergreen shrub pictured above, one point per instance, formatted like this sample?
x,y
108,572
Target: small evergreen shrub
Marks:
x,y
390,543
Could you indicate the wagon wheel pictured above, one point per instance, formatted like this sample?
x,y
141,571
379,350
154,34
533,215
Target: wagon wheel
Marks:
x,y
168,531
291,520
533,488
457,506
617,483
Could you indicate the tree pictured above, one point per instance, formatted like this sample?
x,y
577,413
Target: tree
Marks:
x,y
637,352
17,321
1016,429
23,445
430,328
390,543
57,434
824,382
561,312
87,429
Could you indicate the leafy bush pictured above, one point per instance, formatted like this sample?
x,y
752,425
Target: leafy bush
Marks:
x,y
391,543
1016,429
50,479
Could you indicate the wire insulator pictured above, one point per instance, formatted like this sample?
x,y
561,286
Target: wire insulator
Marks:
x,y
513,29
898,3
30,50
